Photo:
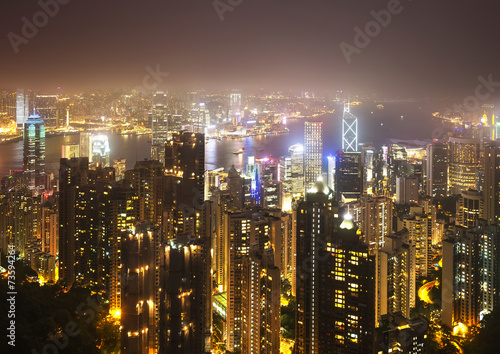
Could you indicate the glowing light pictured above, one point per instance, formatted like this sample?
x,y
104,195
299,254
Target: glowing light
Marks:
x,y
117,314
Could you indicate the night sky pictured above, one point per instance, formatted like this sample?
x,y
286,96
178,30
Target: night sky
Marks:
x,y
430,47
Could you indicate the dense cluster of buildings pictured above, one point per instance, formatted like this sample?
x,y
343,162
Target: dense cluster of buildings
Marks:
x,y
170,244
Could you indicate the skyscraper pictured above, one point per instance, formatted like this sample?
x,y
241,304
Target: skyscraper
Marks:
x,y
469,208
349,131
140,311
34,151
492,182
22,107
313,152
373,216
464,160
159,126
437,170
470,274
348,176
297,168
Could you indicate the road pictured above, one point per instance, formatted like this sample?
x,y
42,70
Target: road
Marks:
x,y
423,292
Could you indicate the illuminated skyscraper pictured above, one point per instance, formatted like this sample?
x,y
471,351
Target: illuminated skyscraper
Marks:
x,y
469,208
297,168
464,160
261,309
46,107
348,176
407,190
437,170
22,107
34,151
100,151
349,131
420,229
470,274
313,152
395,276
335,280
235,107
492,182
140,310
373,216
159,126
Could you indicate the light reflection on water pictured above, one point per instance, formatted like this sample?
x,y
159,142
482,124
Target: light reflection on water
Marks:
x,y
418,124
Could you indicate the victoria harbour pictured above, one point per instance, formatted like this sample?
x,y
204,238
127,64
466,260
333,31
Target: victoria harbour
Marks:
x,y
407,121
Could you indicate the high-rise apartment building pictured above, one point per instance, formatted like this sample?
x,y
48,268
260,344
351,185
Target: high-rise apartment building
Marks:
x,y
492,183
373,216
470,274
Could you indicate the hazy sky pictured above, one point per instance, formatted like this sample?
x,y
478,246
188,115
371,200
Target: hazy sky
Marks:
x,y
428,47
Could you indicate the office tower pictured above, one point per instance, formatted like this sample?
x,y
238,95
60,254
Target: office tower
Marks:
x,y
402,335
407,190
420,228
349,131
368,161
272,195
348,176
253,175
331,172
395,277
70,151
297,169
261,303
464,160
159,126
34,151
86,145
235,107
470,274
120,166
22,107
492,182
46,108
437,170
185,296
469,208
100,153
235,188
200,117
140,309
313,153
373,216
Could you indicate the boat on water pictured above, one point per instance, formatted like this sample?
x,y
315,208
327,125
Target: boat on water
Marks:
x,y
240,151
380,106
